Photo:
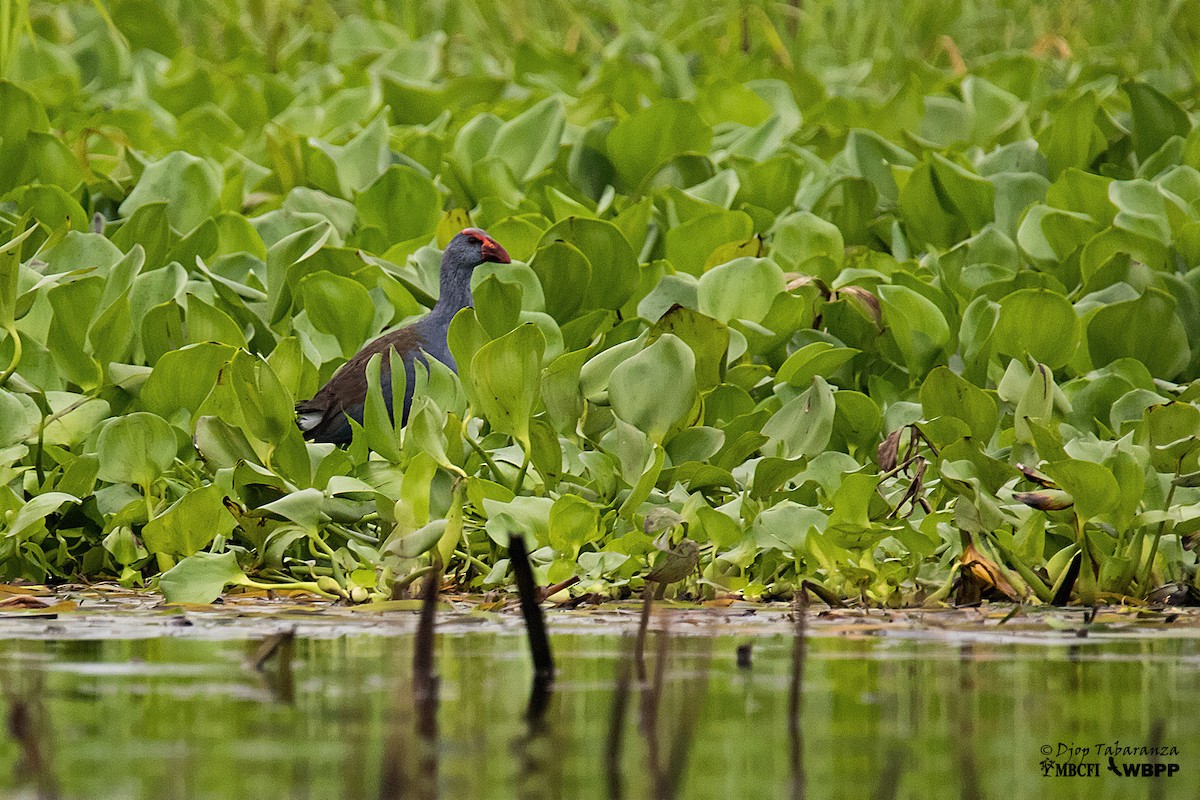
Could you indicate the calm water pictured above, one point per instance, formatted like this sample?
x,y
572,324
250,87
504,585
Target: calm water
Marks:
x,y
181,714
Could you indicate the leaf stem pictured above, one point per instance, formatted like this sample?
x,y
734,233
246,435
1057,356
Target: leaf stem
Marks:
x,y
18,351
487,459
519,483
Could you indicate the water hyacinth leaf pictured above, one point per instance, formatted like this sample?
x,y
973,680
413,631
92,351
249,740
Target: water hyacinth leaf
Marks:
x,y
945,394
564,272
220,444
573,523
528,143
562,395
379,424
1038,323
201,578
498,305
182,379
656,388
1146,329
708,338
742,289
189,524
917,326
190,186
76,418
818,358
267,408
29,517
400,188
10,263
639,145
614,267
16,422
803,236
418,542
340,307
1093,486
136,448
506,374
1156,118
803,425
689,245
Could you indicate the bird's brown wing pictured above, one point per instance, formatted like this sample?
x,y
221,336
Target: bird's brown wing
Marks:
x,y
323,418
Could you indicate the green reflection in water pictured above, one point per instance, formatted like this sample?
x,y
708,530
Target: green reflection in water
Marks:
x,y
883,717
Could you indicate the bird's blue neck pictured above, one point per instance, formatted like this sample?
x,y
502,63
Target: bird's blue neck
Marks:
x,y
454,294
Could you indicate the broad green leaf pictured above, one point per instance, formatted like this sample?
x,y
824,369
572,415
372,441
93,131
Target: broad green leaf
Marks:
x,y
656,388
1093,486
506,374
944,394
201,578
917,327
190,186
614,267
528,143
803,425
1037,323
742,289
402,203
340,307
639,145
1146,329
136,448
189,524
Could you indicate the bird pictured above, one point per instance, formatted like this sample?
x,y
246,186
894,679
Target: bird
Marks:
x,y
326,417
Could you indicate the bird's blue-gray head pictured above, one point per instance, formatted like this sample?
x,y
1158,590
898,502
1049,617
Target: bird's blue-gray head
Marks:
x,y
466,251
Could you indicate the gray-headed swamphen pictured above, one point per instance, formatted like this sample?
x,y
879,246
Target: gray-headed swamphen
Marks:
x,y
324,417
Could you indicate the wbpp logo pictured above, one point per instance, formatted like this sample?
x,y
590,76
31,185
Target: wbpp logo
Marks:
x,y
1125,761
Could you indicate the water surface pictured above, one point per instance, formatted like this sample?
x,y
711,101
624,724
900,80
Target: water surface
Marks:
x,y
161,706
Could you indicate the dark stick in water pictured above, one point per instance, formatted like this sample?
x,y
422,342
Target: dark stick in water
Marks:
x,y
616,732
535,628
796,697
639,647
426,685
28,725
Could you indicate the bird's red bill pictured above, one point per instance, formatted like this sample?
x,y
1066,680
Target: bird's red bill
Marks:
x,y
492,251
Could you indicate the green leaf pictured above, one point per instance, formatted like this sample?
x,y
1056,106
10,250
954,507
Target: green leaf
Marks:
x,y
506,374
190,186
402,203
564,272
136,448
189,524
1156,118
183,378
1146,329
1093,486
656,388
340,307
201,578
742,289
944,394
614,268
573,523
803,425
639,145
690,244
529,142
708,338
1038,323
818,358
916,325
